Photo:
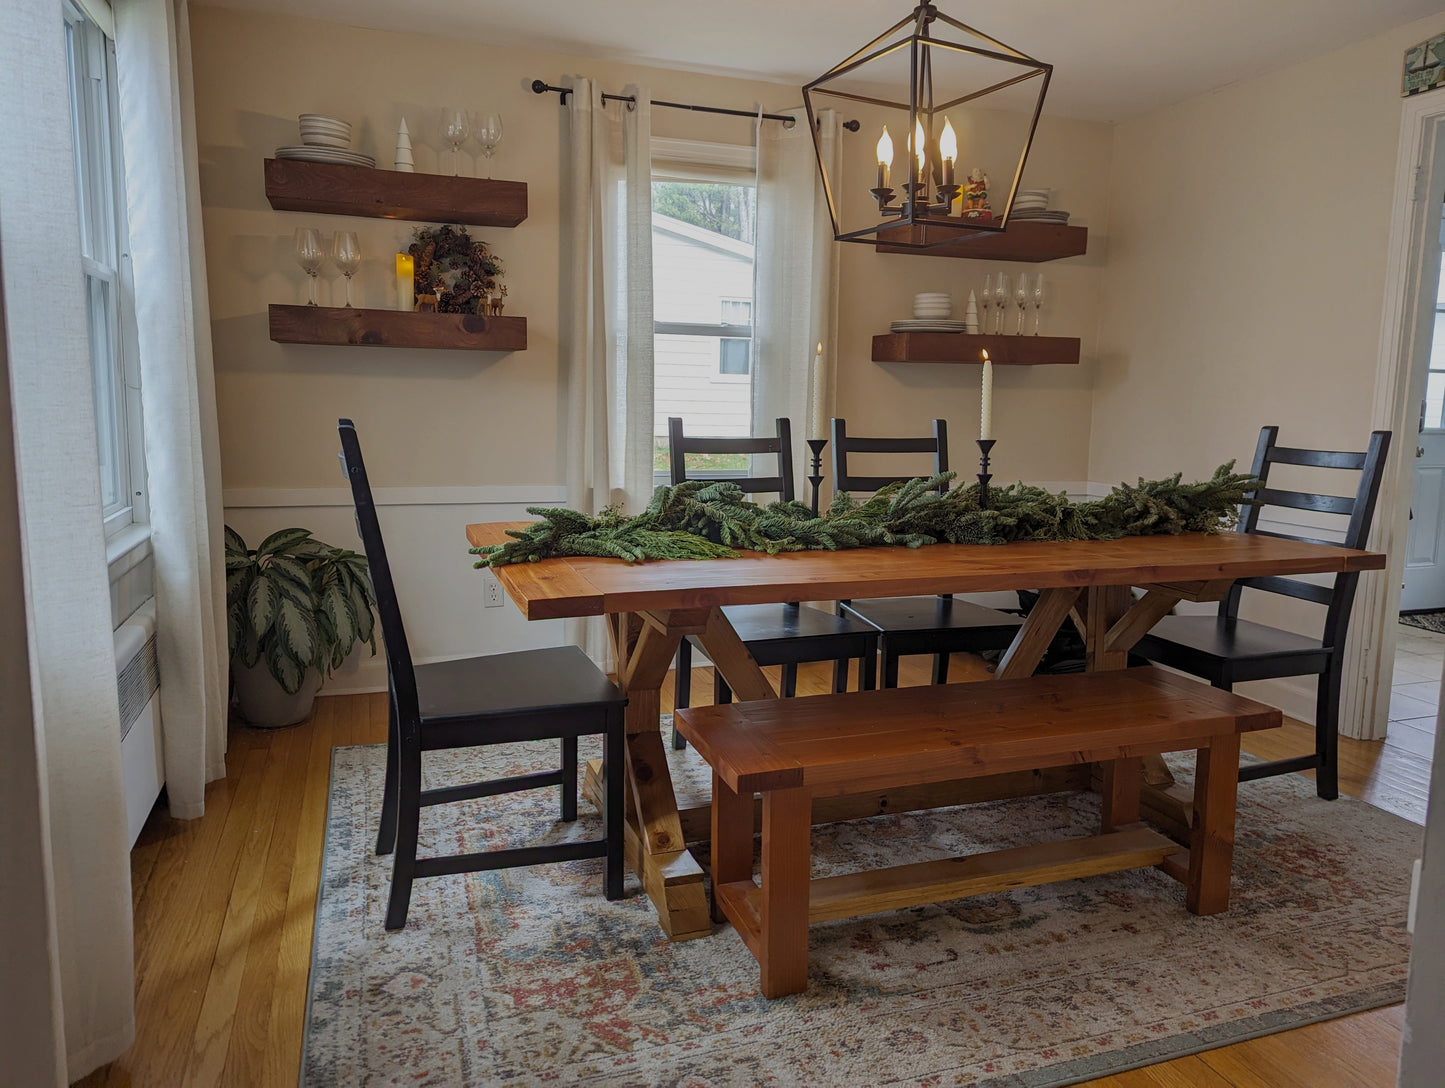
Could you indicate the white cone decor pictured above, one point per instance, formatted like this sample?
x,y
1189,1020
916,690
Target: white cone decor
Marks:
x,y
970,315
404,162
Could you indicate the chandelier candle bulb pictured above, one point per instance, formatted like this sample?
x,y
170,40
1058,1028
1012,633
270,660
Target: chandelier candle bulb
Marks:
x,y
405,282
948,149
885,158
985,413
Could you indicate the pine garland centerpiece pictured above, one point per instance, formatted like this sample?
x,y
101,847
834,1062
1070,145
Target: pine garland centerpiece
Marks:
x,y
702,519
461,272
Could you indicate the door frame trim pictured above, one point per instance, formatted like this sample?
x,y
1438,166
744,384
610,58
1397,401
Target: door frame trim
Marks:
x,y
1406,328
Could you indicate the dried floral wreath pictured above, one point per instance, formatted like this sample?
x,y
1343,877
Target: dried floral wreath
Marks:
x,y
462,273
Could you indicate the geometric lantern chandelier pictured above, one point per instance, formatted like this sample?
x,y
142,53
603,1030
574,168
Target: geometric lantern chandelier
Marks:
x,y
951,102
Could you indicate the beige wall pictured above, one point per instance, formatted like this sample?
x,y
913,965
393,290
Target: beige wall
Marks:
x,y
1246,268
434,418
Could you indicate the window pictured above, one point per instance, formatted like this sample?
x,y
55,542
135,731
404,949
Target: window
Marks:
x,y
100,186
702,268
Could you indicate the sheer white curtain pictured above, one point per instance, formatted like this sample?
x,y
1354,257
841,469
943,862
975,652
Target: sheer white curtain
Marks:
x,y
606,322
177,389
74,892
795,300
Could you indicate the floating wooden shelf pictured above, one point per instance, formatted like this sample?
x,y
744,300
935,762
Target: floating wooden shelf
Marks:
x,y
293,186
339,325
1024,240
960,347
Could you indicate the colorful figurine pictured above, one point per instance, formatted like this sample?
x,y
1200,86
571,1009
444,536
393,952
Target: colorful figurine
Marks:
x,y
975,196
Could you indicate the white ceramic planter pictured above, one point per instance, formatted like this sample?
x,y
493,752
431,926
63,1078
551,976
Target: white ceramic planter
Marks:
x,y
264,703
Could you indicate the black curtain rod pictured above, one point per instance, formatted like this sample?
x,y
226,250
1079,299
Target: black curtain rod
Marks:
x,y
542,87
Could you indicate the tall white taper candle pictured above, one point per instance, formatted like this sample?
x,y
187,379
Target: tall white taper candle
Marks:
x,y
816,383
985,420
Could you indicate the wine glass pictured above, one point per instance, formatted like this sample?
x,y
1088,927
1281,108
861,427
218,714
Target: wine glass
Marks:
x,y
454,133
310,253
1038,295
1021,300
489,135
985,300
346,252
1000,299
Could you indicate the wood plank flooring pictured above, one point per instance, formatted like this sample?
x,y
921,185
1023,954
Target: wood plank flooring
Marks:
x,y
224,908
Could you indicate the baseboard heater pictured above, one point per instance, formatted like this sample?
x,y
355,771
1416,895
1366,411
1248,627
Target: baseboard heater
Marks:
x,y
138,681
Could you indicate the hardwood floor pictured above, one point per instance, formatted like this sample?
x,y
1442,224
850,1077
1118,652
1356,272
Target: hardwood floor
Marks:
x,y
224,907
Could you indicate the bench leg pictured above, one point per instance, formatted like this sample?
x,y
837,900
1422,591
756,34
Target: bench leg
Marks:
x,y
732,839
1211,849
783,936
1120,793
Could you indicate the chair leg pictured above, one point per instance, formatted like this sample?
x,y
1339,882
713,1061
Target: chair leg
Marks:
x,y
403,862
868,667
721,693
840,675
614,757
790,680
681,688
386,834
569,779
890,666
1327,732
940,668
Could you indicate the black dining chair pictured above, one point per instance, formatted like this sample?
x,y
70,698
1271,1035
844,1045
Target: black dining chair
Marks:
x,y
532,695
1227,650
909,626
775,634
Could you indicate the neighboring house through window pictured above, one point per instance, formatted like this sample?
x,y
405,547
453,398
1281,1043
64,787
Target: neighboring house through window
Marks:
x,y
100,184
703,212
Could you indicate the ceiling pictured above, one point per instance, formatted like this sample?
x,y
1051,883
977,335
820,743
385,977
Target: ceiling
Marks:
x,y
1113,58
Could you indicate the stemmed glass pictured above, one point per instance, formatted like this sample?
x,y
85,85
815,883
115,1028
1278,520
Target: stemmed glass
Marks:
x,y
454,133
1000,300
310,253
489,135
1021,300
985,300
346,252
1038,300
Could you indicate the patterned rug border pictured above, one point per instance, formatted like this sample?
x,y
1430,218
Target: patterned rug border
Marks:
x,y
1059,1075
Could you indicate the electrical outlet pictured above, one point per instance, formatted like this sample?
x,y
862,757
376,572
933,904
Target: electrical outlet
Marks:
x,y
491,591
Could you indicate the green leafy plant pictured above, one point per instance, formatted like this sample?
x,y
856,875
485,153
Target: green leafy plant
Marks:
x,y
296,602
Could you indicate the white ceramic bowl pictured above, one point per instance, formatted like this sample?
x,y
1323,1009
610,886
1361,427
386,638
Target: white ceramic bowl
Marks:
x,y
316,139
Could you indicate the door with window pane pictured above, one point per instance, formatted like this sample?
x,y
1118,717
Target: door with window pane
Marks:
x,y
702,268
1425,543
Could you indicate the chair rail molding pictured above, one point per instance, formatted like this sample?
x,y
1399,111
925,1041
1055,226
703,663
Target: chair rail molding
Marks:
x,y
1406,327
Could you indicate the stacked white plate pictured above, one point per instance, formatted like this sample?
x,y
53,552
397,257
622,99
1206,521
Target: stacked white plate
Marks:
x,y
927,325
325,154
932,305
1032,199
1043,215
320,131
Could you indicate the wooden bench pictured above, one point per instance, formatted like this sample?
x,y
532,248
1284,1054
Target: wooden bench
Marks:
x,y
794,750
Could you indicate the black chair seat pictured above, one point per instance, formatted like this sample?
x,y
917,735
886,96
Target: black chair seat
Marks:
x,y
764,627
527,682
1222,643
935,615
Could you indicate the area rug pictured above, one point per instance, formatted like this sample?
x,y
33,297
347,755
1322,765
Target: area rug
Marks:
x,y
529,976
1426,621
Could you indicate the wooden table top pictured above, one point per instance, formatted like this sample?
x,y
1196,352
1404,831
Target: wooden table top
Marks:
x,y
583,586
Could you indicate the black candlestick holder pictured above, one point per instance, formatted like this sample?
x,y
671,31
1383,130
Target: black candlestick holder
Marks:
x,y
985,447
815,477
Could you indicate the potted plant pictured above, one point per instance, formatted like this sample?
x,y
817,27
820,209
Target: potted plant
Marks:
x,y
295,608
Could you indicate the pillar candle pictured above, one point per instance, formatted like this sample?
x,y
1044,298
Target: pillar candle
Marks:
x,y
816,387
405,282
985,422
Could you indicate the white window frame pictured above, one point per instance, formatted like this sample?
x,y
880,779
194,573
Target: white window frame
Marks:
x,y
105,261
726,164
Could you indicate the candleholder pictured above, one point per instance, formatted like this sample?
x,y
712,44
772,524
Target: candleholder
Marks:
x,y
815,477
985,447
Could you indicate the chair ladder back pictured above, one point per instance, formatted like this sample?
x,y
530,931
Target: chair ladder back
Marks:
x,y
393,632
1338,596
843,445
679,445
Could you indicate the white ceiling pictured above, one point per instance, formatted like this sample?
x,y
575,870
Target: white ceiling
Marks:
x,y
1112,58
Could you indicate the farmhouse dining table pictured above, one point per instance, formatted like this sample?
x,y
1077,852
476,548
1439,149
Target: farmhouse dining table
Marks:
x,y
651,606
